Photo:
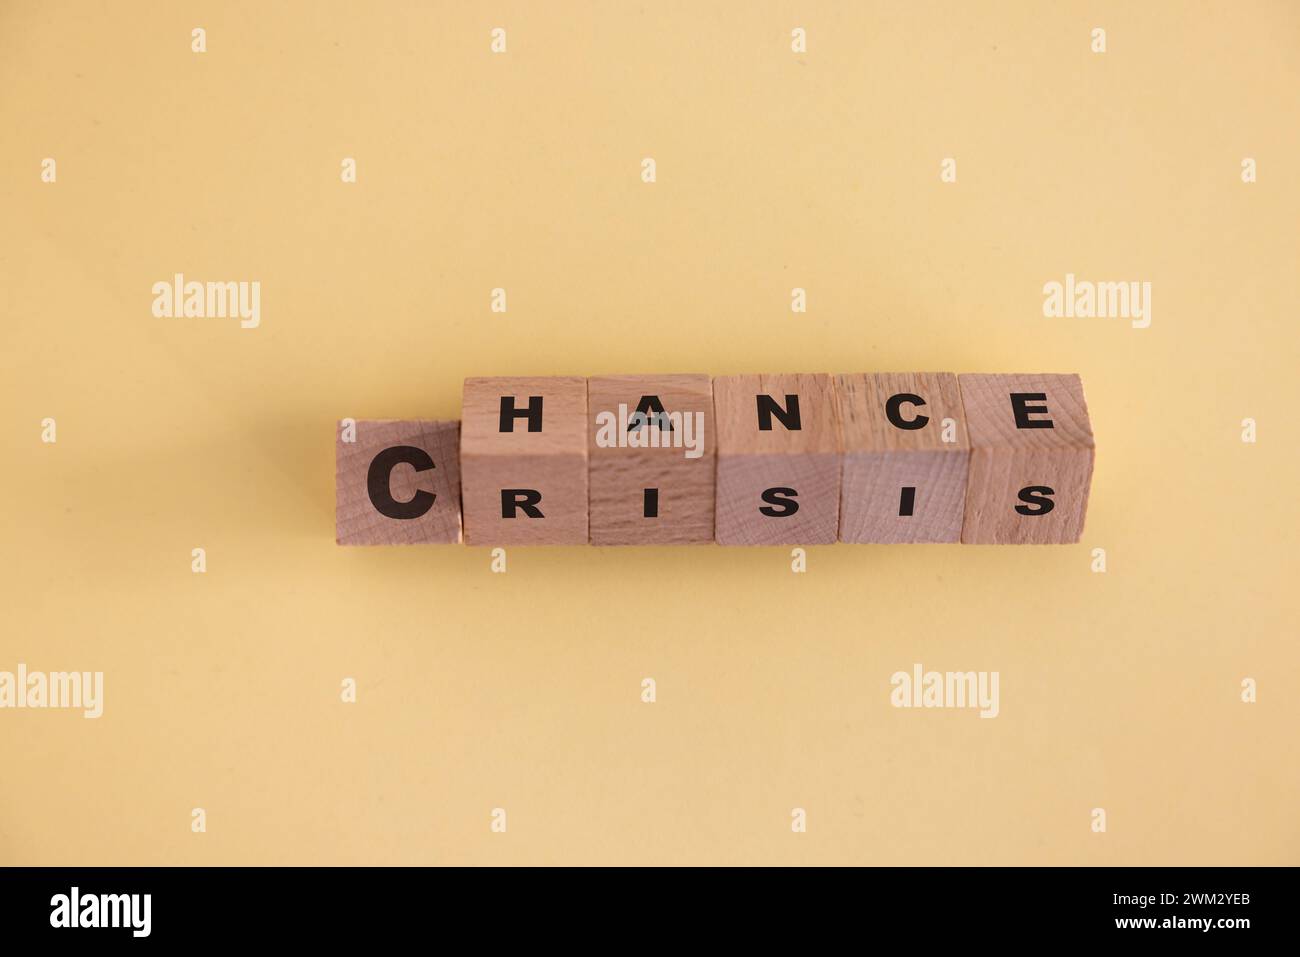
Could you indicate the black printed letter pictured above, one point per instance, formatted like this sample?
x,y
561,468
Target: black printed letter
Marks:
x,y
509,413
1036,496
379,485
786,505
896,420
1023,411
789,416
513,499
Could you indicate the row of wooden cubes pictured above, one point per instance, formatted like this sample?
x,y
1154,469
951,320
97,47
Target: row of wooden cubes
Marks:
x,y
790,459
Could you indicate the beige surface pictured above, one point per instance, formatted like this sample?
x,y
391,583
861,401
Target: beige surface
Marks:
x,y
523,690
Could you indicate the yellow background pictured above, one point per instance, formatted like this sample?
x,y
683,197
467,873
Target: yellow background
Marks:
x,y
522,691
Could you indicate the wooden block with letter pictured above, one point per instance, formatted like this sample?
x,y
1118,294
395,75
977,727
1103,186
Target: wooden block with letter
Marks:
x,y
651,448
905,457
397,482
523,452
1031,459
779,456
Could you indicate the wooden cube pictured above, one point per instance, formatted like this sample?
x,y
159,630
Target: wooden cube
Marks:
x,y
1031,458
652,462
779,455
906,456
523,453
397,482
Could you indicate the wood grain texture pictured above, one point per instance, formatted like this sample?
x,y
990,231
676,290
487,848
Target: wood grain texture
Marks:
x,y
619,476
551,462
356,519
882,459
752,460
1007,457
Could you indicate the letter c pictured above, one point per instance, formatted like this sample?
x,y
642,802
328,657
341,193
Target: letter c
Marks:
x,y
379,482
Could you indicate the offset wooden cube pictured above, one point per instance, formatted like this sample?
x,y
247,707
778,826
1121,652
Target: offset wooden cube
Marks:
x,y
1031,459
398,483
652,462
523,453
906,456
779,456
